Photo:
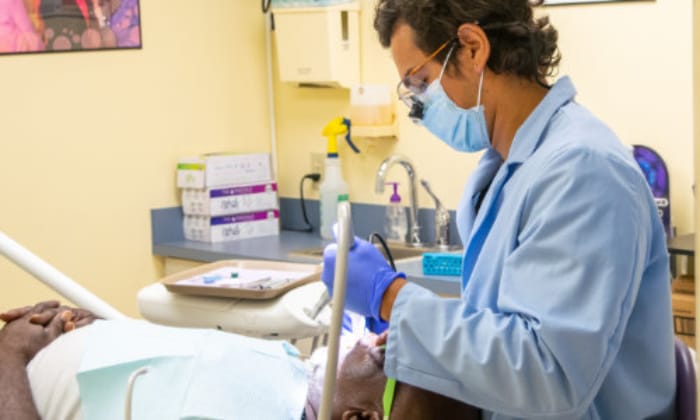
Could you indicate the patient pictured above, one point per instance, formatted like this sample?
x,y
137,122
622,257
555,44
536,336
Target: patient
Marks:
x,y
49,326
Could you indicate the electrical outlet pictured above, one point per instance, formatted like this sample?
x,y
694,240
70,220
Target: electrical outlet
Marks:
x,y
318,162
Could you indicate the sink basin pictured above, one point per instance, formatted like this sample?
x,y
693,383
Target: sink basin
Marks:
x,y
400,251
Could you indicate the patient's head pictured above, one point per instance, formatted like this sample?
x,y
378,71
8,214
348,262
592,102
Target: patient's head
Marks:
x,y
360,387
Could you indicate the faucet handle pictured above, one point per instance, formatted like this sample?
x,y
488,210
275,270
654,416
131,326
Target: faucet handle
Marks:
x,y
430,192
442,218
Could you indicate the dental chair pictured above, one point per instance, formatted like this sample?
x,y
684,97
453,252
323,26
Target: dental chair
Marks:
x,y
686,388
284,317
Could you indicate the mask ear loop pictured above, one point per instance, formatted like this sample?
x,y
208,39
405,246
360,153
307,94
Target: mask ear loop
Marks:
x,y
444,63
481,85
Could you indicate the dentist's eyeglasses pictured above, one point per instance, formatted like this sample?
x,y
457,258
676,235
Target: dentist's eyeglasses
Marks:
x,y
411,85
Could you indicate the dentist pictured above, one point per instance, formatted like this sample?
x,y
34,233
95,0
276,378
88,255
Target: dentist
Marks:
x,y
565,307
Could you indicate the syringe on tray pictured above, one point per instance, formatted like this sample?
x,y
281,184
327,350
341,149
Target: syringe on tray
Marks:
x,y
265,283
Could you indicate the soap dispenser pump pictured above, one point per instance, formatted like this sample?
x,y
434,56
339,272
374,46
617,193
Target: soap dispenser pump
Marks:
x,y
396,224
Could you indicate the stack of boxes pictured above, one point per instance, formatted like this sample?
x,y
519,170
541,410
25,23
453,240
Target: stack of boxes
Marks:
x,y
683,302
228,197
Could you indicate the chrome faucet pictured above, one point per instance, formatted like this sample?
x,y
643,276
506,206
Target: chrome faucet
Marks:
x,y
442,219
414,233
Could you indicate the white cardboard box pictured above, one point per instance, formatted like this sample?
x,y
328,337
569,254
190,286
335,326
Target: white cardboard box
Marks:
x,y
232,227
223,169
230,199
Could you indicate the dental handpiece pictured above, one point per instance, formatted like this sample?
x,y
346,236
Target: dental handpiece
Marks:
x,y
324,300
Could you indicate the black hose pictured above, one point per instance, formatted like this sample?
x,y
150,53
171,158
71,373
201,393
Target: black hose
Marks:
x,y
390,258
315,177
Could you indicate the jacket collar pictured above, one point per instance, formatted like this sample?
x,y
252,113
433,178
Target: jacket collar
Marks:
x,y
529,135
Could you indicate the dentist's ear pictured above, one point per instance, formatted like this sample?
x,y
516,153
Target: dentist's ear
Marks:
x,y
475,47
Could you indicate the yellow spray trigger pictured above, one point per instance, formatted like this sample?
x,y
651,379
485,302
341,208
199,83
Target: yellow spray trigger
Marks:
x,y
337,127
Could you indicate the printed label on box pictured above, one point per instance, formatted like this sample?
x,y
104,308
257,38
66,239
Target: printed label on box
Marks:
x,y
225,228
230,200
221,169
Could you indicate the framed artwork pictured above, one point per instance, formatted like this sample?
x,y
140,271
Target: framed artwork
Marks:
x,y
31,26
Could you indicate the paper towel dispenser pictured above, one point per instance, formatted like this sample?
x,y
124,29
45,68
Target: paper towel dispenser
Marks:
x,y
319,45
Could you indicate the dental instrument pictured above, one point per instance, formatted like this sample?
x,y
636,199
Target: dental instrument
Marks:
x,y
324,300
56,280
130,390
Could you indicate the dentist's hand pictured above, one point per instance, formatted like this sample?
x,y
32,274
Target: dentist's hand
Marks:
x,y
369,275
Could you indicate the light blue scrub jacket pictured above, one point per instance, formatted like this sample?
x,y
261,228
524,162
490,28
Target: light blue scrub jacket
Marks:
x,y
565,310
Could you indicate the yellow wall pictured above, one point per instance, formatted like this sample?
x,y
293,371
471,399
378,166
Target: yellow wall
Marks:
x,y
90,140
631,63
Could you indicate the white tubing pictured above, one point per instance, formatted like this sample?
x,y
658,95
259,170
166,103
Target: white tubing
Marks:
x,y
56,280
130,390
345,237
271,92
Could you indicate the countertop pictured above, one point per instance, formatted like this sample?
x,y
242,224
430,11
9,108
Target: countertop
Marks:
x,y
682,245
284,248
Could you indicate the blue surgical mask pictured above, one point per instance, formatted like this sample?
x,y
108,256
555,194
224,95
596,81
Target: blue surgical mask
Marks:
x,y
463,130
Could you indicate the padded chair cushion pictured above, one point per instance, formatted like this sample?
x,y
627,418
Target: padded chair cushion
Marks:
x,y
685,382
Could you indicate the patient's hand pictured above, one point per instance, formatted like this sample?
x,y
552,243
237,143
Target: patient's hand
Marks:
x,y
21,339
78,318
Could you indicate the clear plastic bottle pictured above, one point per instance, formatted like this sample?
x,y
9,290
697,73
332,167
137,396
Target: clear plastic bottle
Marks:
x,y
333,190
395,223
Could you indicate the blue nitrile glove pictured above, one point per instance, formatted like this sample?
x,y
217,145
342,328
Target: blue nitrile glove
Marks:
x,y
347,322
369,275
375,325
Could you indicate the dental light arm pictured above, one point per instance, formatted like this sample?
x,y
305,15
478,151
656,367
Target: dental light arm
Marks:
x,y
56,280
345,238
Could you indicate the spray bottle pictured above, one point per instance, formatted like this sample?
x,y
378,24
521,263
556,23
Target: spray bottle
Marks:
x,y
333,188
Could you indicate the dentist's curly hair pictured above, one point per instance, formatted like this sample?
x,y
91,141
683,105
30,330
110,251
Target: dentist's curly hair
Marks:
x,y
520,44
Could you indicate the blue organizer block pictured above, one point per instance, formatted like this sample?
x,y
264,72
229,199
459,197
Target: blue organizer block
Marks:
x,y
442,264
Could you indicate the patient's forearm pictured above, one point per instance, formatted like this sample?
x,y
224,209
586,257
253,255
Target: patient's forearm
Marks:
x,y
16,401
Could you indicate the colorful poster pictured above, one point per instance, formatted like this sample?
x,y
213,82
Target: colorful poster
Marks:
x,y
28,26
553,2
656,173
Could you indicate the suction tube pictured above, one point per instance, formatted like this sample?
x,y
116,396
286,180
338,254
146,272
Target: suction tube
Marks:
x,y
345,238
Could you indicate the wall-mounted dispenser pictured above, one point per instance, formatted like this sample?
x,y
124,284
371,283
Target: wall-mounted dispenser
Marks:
x,y
319,45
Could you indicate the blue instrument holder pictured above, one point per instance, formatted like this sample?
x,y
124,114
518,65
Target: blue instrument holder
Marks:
x,y
442,264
